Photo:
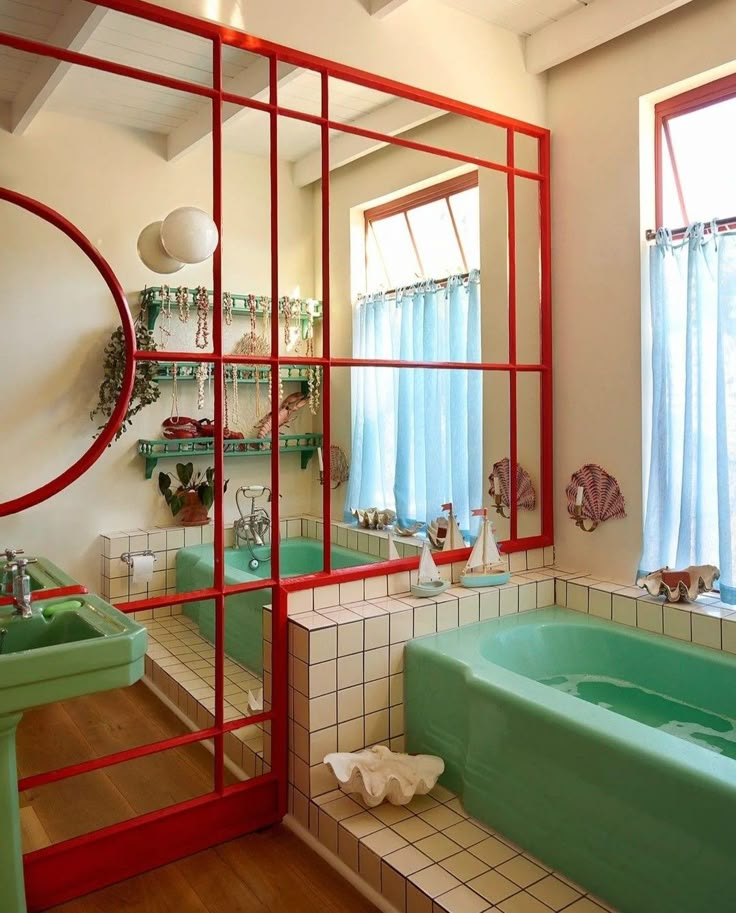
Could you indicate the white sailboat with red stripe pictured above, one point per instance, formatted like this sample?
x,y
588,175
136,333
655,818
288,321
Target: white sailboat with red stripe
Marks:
x,y
485,566
429,583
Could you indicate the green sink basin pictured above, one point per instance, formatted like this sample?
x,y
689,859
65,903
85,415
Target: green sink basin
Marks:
x,y
74,645
44,574
71,646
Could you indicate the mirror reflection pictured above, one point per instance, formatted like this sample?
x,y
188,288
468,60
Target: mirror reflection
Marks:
x,y
419,272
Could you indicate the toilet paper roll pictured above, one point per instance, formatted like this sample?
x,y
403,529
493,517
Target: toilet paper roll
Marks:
x,y
142,568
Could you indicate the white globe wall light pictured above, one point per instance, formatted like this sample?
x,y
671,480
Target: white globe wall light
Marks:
x,y
189,235
152,253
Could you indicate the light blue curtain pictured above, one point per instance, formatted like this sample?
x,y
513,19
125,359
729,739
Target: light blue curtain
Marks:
x,y
417,433
691,486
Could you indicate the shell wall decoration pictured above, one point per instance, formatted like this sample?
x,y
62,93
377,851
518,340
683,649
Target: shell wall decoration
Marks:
x,y
602,498
339,470
526,496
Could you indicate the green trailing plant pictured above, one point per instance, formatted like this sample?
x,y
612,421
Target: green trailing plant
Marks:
x,y
145,388
188,480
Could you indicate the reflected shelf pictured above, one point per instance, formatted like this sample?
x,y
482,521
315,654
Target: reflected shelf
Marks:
x,y
247,374
153,450
154,298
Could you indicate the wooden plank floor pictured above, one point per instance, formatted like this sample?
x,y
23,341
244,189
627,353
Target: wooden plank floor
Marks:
x,y
87,727
268,872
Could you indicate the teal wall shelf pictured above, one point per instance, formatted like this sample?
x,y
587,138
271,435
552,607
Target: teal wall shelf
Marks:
x,y
247,374
163,449
152,301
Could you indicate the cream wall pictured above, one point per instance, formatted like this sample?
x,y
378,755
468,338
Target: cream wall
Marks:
x,y
56,317
597,237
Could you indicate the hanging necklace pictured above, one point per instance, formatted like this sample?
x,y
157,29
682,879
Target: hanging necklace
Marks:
x,y
227,307
225,403
257,369
236,398
182,301
314,377
165,319
202,373
201,337
175,396
286,309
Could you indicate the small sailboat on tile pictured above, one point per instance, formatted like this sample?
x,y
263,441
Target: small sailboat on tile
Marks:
x,y
453,537
393,552
484,567
429,583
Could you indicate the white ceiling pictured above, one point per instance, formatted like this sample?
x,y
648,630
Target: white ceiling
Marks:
x,y
525,17
28,85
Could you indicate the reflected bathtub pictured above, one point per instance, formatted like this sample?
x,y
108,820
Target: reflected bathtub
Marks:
x,y
243,611
606,751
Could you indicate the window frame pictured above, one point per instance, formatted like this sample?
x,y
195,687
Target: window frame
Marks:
x,y
710,93
403,204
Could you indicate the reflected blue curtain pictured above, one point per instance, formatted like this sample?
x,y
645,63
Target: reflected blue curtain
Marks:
x,y
417,433
690,497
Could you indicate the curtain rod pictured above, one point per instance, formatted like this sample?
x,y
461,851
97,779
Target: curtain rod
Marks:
x,y
721,225
440,283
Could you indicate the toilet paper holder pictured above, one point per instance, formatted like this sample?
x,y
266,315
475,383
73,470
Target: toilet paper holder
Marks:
x,y
128,557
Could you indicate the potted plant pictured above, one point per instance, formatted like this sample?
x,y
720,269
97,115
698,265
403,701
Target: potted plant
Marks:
x,y
190,501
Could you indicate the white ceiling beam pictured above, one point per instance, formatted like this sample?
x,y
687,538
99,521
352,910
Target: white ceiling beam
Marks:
x,y
72,32
393,118
382,8
252,82
589,27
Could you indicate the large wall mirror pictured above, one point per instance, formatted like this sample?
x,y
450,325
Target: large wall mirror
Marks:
x,y
392,259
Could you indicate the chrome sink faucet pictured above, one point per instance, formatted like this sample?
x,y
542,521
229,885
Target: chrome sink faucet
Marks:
x,y
21,586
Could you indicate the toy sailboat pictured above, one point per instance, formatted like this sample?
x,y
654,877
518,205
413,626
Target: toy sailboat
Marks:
x,y
393,552
429,582
453,537
484,567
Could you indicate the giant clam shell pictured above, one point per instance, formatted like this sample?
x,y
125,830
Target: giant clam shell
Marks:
x,y
526,496
379,774
602,497
685,585
372,518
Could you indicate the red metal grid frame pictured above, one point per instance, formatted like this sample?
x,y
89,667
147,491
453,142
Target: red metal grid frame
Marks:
x,y
69,869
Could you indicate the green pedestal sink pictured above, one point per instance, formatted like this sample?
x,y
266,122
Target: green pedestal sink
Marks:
x,y
71,646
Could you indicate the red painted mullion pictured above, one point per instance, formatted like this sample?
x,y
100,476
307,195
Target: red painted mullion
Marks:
x,y
545,377
37,595
326,347
275,355
220,393
279,661
513,417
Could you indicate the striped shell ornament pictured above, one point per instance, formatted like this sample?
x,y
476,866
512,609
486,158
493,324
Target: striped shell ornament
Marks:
x,y
602,497
339,470
526,496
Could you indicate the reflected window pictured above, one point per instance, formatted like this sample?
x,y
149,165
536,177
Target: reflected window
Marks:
x,y
430,234
417,432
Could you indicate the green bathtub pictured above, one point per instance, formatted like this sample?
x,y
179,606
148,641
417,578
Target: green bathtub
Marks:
x,y
244,611
608,752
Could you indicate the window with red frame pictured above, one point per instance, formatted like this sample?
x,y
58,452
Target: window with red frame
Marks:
x,y
429,234
695,137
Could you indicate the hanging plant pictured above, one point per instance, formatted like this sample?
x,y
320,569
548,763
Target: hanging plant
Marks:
x,y
145,388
